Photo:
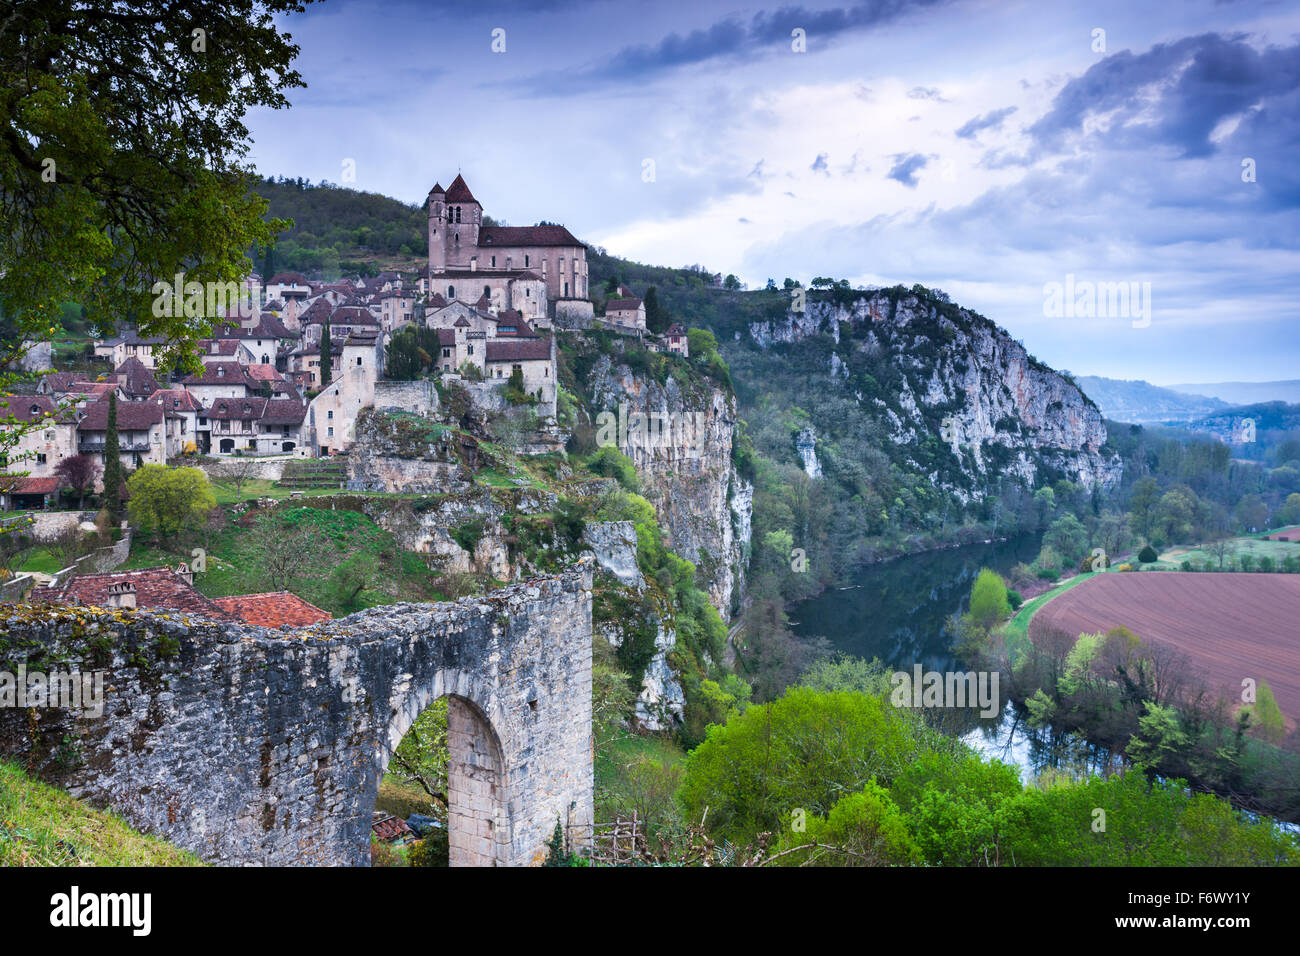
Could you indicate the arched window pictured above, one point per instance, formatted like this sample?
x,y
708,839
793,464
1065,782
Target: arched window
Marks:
x,y
458,214
487,291
451,292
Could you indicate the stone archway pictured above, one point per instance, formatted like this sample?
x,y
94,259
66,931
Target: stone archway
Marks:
x,y
479,827
250,746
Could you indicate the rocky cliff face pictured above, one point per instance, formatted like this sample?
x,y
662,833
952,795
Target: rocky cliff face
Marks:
x,y
964,380
680,440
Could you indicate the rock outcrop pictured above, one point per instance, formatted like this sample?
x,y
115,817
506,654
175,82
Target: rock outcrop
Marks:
x,y
686,468
964,380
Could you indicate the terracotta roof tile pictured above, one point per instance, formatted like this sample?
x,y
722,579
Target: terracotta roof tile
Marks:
x,y
160,589
272,609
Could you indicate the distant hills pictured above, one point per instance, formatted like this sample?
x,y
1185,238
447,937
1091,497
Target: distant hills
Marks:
x,y
1246,393
1146,404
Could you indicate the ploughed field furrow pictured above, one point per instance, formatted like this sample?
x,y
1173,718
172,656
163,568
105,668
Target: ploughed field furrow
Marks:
x,y
1231,626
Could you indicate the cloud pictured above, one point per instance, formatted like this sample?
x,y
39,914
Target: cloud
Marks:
x,y
820,165
990,120
729,39
1175,94
926,93
905,168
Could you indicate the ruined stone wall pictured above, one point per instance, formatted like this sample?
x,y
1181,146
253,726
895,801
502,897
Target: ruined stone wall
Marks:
x,y
250,746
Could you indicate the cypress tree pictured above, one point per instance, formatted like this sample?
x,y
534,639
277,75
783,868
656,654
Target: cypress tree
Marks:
x,y
113,463
326,366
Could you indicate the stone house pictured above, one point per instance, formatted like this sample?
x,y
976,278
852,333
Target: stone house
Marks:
x,y
332,415
626,312
141,433
677,341
40,448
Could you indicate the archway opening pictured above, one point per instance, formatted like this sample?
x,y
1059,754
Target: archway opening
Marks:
x,y
441,797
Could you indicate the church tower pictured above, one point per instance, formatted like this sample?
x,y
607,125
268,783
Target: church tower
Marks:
x,y
464,217
437,230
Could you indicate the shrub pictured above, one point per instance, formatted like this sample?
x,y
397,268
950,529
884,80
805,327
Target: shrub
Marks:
x,y
1049,574
1015,600
1148,554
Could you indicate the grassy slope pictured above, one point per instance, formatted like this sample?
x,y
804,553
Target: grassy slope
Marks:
x,y
42,826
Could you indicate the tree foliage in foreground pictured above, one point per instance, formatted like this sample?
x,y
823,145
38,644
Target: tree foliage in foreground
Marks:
x,y
122,141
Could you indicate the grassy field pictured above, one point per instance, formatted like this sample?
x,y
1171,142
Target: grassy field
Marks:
x,y
1015,632
350,549
1254,545
42,826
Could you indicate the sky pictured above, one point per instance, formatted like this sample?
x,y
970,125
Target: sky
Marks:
x,y
995,149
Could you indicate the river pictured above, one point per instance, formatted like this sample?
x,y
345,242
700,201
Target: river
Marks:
x,y
897,611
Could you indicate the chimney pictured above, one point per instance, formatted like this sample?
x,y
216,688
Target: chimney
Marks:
x,y
122,595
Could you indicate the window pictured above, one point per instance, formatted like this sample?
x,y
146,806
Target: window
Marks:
x,y
471,350
487,291
358,359
40,458
451,292
331,431
446,353
494,262
331,414
525,262
458,214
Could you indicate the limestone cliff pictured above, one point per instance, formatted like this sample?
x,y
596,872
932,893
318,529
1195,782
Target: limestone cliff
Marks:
x,y
963,381
685,467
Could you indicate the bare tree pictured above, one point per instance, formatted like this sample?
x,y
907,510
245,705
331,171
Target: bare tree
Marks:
x,y
284,552
234,472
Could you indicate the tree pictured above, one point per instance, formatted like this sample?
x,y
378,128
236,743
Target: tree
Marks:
x,y
422,755
1267,715
113,463
807,750
166,502
234,472
988,599
79,472
284,551
121,144
1068,537
326,358
1143,506
656,317
15,545
731,283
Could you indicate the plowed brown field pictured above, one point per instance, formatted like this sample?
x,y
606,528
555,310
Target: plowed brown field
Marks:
x,y
1231,626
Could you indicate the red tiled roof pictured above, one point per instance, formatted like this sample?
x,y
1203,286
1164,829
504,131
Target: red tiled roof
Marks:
x,y
288,278
622,305
26,408
263,373
237,409
521,350
28,485
436,301
284,411
676,329
388,829
175,400
526,236
221,373
159,589
437,188
459,192
272,609
446,336
131,416
138,380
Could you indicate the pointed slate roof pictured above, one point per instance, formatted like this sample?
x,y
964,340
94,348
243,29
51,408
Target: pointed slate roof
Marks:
x,y
459,192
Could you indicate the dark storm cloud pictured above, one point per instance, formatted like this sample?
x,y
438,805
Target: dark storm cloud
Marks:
x,y
1190,86
734,36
